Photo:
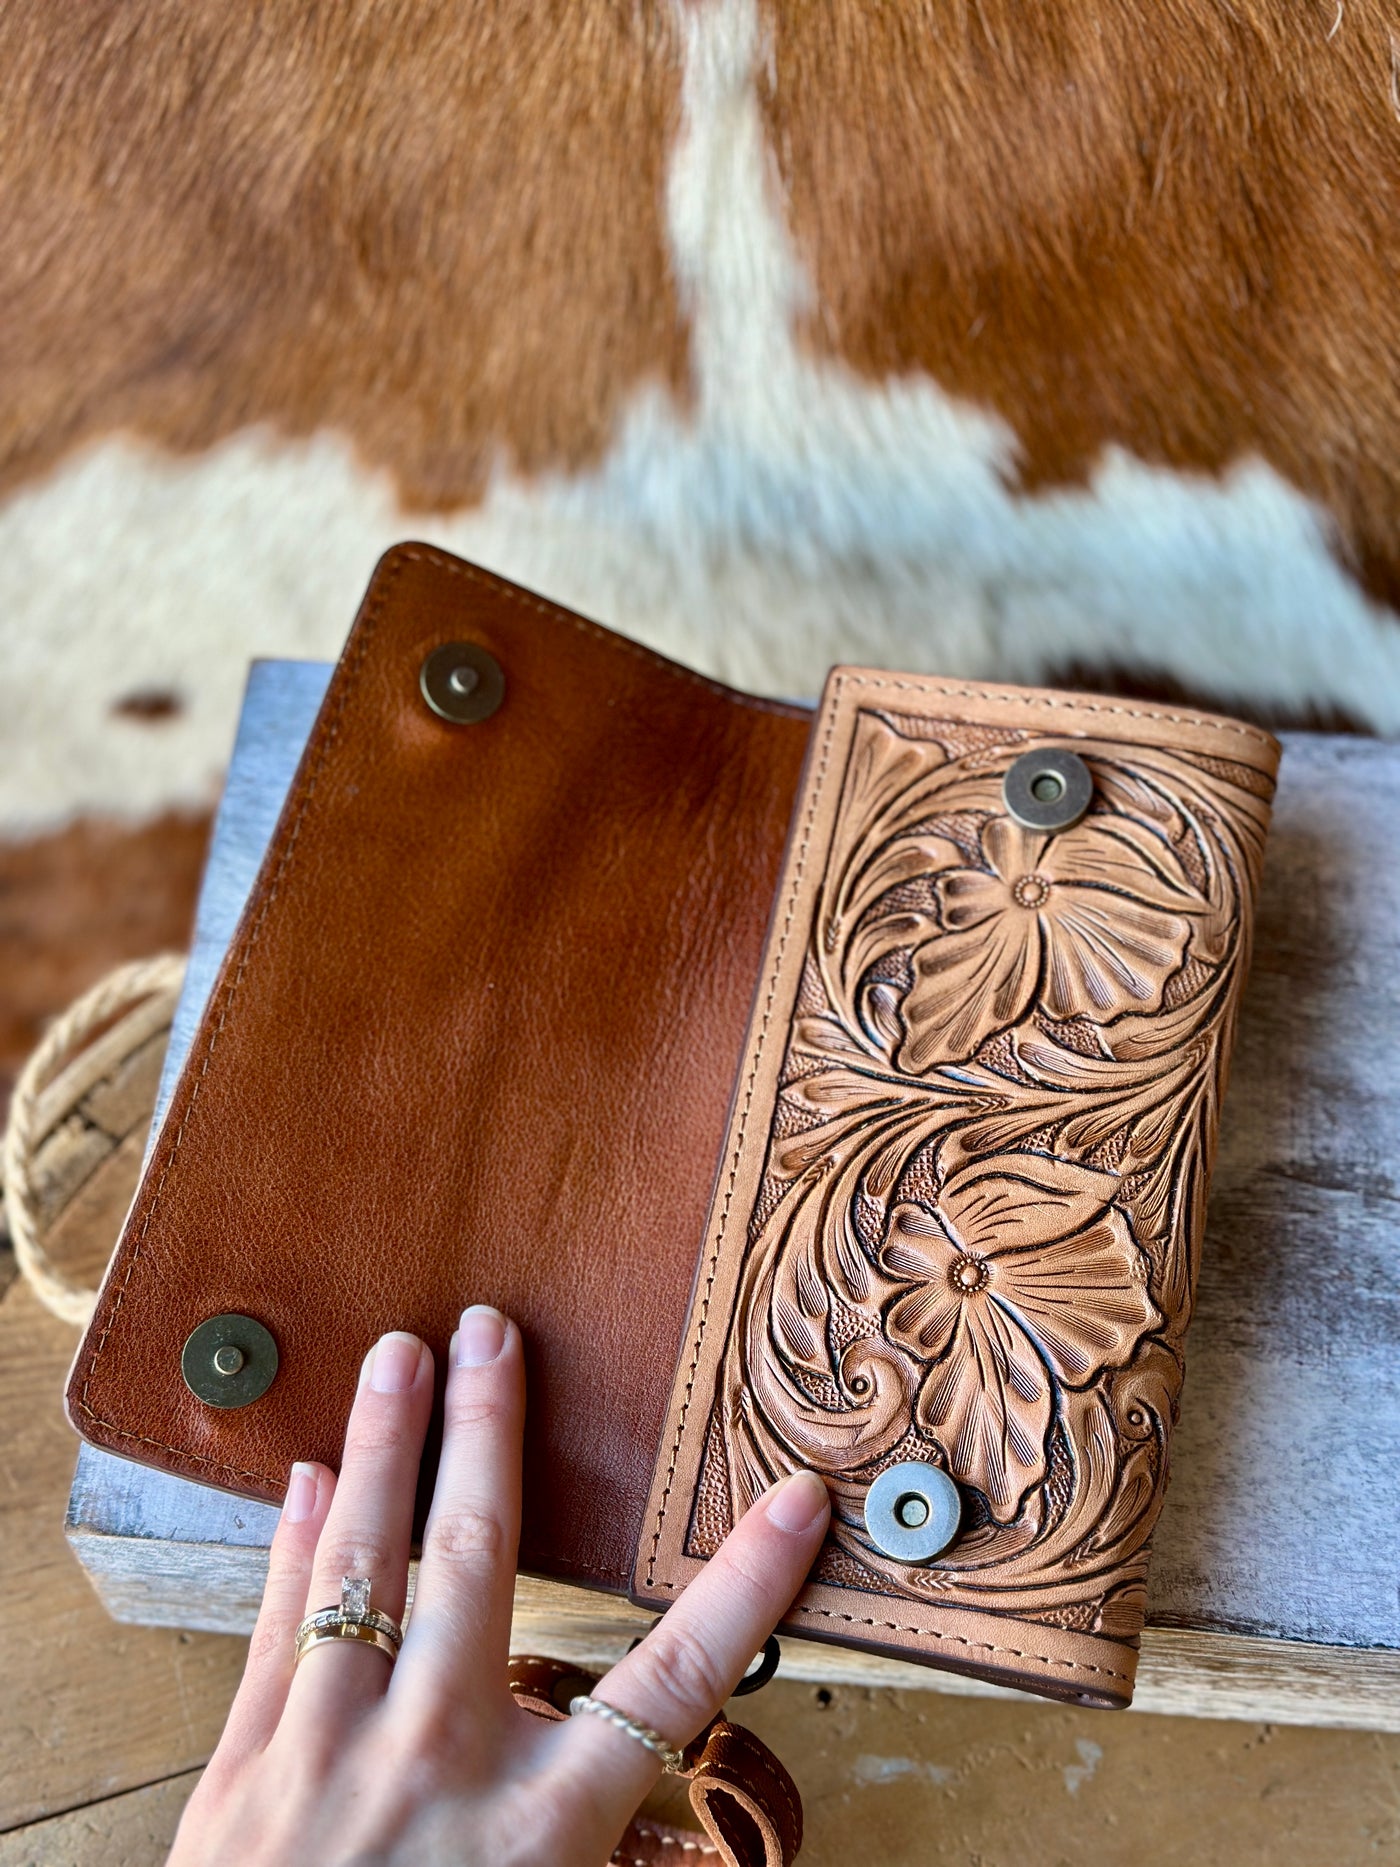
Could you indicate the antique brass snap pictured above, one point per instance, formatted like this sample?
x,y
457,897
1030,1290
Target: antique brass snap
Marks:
x,y
912,1512
1048,790
462,683
229,1361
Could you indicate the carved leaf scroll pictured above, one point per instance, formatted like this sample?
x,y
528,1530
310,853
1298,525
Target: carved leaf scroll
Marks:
x,y
977,1236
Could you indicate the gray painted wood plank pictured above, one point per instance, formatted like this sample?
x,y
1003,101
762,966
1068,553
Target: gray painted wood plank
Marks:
x,y
280,703
1284,1505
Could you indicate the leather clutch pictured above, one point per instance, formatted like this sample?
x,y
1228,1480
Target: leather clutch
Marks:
x,y
782,1059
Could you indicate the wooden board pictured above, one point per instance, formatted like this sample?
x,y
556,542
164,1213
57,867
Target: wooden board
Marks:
x,y
1273,1588
88,1707
133,1830
920,1781
915,1779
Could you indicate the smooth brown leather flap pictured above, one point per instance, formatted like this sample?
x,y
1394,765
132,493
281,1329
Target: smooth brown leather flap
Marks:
x,y
474,1042
959,1215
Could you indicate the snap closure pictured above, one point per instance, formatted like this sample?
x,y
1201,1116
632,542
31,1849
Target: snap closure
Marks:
x,y
1048,790
912,1511
229,1361
462,683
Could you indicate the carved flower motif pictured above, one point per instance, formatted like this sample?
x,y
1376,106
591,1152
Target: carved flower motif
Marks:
x,y
1092,922
1025,1276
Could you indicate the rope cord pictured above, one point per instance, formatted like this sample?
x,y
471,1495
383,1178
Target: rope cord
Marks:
x,y
25,1134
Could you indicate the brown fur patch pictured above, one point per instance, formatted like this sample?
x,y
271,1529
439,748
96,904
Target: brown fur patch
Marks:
x,y
78,902
435,227
149,706
1171,228
439,229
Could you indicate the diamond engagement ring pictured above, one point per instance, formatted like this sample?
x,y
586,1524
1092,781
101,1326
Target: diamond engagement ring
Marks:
x,y
353,1619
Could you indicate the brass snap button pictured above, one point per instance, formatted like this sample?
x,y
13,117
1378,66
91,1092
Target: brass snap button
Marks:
x,y
229,1361
912,1511
1048,790
462,683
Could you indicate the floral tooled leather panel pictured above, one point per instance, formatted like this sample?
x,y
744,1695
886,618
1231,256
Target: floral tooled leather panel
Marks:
x,y
960,1213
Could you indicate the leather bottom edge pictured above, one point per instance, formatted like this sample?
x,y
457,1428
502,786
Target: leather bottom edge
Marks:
x,y
1069,1667
1040,1684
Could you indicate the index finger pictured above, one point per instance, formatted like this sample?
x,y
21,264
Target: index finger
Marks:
x,y
678,1678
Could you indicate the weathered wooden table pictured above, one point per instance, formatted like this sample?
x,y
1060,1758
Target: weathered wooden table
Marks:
x,y
1275,1589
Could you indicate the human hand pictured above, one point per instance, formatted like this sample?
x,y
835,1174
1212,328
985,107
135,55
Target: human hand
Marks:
x,y
354,1758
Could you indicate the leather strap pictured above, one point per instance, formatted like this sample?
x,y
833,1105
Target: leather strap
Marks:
x,y
745,1799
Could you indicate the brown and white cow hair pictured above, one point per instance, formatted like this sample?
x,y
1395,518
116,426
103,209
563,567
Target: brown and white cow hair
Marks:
x,y
966,335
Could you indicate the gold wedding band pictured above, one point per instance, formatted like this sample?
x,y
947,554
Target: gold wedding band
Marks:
x,y
346,1630
672,1760
352,1619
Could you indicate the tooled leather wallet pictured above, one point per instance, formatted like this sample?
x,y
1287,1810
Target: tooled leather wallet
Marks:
x,y
833,1090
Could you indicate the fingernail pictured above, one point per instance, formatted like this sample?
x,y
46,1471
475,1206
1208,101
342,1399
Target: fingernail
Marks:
x,y
481,1336
301,1494
796,1502
395,1363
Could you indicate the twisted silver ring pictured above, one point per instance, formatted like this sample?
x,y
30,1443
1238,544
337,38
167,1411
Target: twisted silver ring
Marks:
x,y
672,1760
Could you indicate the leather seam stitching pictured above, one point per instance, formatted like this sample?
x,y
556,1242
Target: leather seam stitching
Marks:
x,y
799,871
933,1633
332,732
607,637
674,1841
1027,699
744,1739
618,1859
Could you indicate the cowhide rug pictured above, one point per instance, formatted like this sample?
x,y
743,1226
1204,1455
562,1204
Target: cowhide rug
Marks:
x,y
1052,343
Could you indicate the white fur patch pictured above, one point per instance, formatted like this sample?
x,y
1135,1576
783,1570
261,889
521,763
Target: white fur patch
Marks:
x,y
797,516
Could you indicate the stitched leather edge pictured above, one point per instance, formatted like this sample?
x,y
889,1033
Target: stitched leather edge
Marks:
x,y
457,567
932,1633
328,735
663,1840
743,1739
1070,703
